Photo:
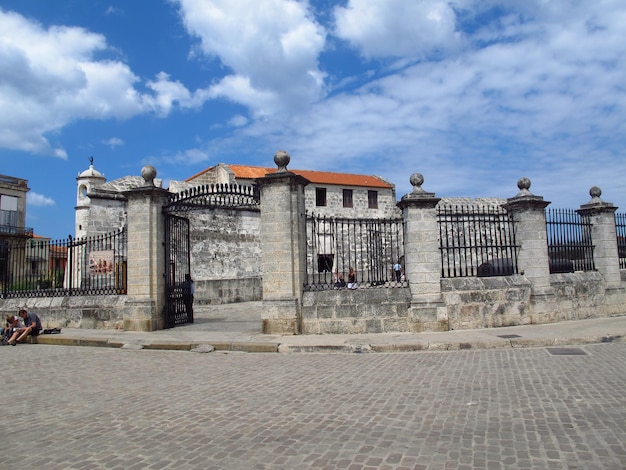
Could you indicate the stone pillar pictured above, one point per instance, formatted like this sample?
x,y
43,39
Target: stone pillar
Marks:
x,y
283,248
146,255
422,259
604,237
528,211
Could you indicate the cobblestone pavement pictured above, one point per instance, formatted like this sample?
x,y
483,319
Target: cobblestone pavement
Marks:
x,y
102,408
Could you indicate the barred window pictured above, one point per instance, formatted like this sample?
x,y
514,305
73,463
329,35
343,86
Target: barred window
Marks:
x,y
372,199
347,198
320,197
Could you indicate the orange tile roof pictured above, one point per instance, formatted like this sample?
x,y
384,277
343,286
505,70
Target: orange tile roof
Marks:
x,y
316,177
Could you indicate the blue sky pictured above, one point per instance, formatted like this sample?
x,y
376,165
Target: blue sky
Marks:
x,y
473,94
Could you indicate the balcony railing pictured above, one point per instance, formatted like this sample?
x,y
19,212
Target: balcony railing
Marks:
x,y
16,231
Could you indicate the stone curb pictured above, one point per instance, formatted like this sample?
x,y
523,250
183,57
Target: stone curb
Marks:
x,y
275,347
171,345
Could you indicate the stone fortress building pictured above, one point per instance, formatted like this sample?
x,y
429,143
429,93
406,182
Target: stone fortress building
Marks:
x,y
225,257
281,235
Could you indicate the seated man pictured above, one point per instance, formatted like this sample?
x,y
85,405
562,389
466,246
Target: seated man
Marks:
x,y
32,326
13,322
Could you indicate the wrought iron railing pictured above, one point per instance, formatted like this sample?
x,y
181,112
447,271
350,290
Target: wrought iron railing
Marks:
x,y
215,195
620,228
570,246
370,247
476,241
39,267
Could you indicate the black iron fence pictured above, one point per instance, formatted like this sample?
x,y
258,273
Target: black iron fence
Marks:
x,y
620,228
372,248
570,246
39,267
215,195
476,241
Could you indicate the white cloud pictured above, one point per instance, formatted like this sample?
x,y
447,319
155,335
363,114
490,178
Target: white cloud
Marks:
x,y
113,142
111,10
538,95
189,157
50,78
38,200
270,47
476,93
397,28
238,121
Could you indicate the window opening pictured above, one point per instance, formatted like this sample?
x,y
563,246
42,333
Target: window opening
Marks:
x,y
320,197
372,199
347,198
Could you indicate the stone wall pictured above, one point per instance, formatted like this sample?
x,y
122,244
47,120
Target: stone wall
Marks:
x,y
225,255
334,202
356,311
581,295
470,302
93,312
241,255
226,291
507,300
105,216
474,302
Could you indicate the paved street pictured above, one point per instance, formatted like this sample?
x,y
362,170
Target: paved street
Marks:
x,y
91,408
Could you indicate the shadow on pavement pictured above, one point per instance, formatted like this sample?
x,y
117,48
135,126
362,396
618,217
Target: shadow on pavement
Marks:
x,y
244,317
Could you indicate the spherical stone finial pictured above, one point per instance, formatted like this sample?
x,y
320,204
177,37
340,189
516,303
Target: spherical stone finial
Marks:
x,y
417,180
282,159
418,195
595,192
523,184
148,173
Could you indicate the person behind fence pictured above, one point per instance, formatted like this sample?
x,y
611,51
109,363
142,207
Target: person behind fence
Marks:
x,y
32,327
188,293
340,282
13,322
352,284
397,269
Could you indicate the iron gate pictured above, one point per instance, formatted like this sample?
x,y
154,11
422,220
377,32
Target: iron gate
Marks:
x,y
178,285
178,288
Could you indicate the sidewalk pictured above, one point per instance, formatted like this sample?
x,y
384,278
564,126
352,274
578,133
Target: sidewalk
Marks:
x,y
237,328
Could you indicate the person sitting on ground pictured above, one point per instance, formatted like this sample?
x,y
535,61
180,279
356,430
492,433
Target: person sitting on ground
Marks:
x,y
13,322
32,327
340,283
352,279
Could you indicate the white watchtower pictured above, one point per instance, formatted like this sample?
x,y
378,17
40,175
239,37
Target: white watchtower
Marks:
x,y
85,182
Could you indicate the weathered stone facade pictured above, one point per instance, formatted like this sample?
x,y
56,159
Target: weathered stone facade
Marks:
x,y
348,311
333,185
386,202
226,255
250,254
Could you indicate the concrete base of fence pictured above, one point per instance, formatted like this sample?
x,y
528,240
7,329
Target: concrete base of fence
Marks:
x,y
487,302
280,317
142,316
346,311
89,311
467,303
428,317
